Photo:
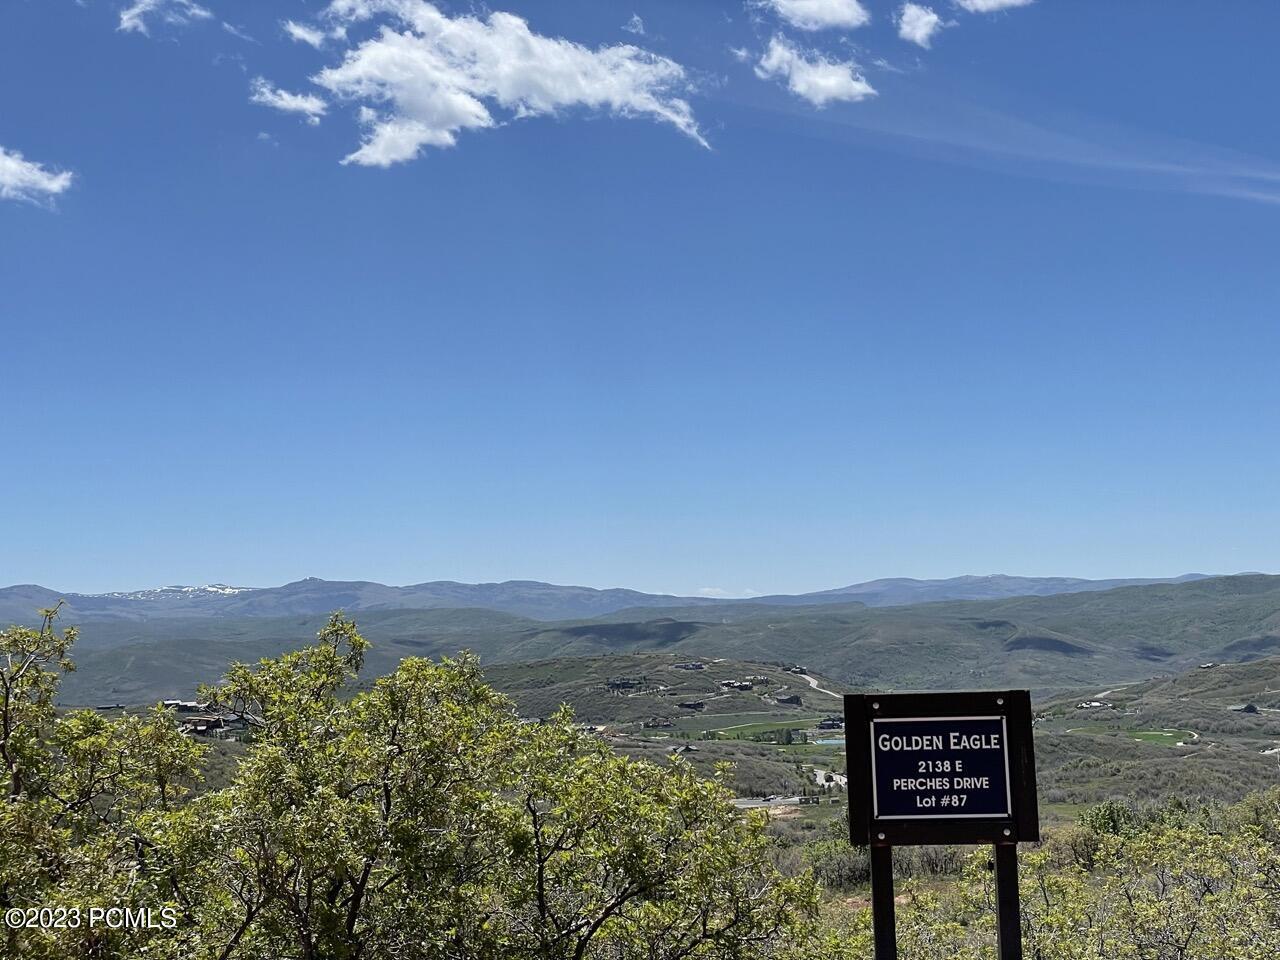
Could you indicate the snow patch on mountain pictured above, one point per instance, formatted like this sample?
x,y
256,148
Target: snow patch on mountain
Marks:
x,y
165,593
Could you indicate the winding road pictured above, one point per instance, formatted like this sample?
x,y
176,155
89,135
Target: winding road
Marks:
x,y
814,683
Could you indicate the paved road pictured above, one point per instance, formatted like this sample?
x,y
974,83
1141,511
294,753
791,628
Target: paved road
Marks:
x,y
812,681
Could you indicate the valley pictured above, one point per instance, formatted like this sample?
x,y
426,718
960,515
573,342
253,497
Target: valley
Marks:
x,y
1141,691
1053,644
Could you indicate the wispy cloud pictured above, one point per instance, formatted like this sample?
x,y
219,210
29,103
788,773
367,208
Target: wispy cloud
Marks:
x,y
811,75
23,179
948,128
634,25
302,33
308,105
237,32
991,6
134,18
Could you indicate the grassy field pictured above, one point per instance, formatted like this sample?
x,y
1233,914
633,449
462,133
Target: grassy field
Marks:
x,y
1168,738
749,727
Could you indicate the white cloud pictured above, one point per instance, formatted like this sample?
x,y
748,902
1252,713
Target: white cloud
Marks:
x,y
174,12
307,104
22,179
719,593
302,33
991,6
820,14
812,76
436,75
236,32
918,24
634,25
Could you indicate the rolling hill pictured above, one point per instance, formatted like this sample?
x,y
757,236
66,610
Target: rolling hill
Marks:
x,y
1059,642
527,598
1210,731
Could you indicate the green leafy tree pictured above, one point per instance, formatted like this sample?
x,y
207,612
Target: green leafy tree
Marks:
x,y
85,801
419,817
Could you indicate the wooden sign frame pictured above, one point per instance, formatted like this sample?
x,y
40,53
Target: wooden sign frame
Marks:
x,y
1021,825
1017,822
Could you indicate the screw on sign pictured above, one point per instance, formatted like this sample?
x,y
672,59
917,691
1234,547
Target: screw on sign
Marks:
x,y
929,768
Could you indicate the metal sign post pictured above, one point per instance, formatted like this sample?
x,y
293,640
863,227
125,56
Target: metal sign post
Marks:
x,y
1008,910
929,768
884,925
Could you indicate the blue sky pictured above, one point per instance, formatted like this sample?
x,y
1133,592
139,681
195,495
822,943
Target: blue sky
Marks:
x,y
684,296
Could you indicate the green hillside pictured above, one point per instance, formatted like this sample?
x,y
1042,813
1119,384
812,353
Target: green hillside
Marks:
x,y
1213,731
1049,644
647,686
1189,735
1178,734
631,698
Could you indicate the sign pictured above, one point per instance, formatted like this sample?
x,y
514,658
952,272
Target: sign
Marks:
x,y
941,768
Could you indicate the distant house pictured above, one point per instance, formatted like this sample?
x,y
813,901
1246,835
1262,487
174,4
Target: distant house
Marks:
x,y
691,705
1207,666
832,723
109,706
184,706
656,723
221,725
1091,704
695,665
759,680
204,726
792,699
625,683
736,684
687,748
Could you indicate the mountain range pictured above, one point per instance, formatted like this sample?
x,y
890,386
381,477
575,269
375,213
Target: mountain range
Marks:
x,y
525,598
1058,642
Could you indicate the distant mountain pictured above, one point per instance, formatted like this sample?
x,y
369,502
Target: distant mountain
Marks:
x,y
901,591
526,598
1088,640
541,601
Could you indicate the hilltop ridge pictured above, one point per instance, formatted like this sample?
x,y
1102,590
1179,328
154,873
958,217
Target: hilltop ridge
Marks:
x,y
1058,642
526,598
